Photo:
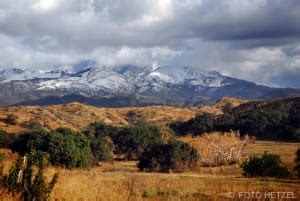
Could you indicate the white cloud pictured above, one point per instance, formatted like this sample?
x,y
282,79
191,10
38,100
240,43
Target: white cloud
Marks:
x,y
250,39
45,5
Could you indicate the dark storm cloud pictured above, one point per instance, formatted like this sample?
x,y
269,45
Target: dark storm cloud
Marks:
x,y
252,39
269,19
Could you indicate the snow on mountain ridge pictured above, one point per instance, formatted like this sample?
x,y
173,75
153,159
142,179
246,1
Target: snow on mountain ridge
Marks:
x,y
120,79
27,74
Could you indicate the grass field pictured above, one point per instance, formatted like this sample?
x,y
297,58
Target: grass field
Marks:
x,y
121,180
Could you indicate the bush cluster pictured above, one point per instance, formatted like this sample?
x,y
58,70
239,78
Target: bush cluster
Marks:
x,y
272,121
175,156
102,149
70,149
6,139
65,147
100,129
268,165
134,140
200,124
11,119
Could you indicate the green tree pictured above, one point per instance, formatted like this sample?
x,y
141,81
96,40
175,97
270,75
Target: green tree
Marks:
x,y
201,123
175,156
3,138
268,165
102,149
100,129
134,140
31,140
65,147
69,149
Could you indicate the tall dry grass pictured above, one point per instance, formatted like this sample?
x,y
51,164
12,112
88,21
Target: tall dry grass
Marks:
x,y
121,180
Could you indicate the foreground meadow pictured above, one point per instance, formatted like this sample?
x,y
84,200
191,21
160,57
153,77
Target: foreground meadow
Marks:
x,y
121,180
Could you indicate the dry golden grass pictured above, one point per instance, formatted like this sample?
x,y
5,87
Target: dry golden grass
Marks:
x,y
286,150
116,183
121,180
219,106
77,116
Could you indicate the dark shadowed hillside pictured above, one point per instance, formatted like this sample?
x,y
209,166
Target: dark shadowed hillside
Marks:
x,y
271,119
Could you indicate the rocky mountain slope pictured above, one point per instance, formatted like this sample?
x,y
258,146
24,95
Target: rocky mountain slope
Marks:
x,y
126,86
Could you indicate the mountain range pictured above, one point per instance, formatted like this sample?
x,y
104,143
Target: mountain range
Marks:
x,y
126,85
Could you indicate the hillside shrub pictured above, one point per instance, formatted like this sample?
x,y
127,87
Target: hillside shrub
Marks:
x,y
297,161
134,140
4,138
11,119
273,121
32,124
175,156
100,129
265,120
102,149
268,165
201,123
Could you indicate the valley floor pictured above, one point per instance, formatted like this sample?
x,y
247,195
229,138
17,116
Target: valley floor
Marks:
x,y
121,180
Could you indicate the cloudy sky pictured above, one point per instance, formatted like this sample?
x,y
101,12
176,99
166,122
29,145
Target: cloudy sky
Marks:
x,y
257,40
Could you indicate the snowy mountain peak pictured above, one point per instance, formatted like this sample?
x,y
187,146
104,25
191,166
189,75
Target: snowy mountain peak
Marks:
x,y
14,74
86,78
168,85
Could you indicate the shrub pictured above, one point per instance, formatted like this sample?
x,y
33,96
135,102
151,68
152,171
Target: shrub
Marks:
x,y
175,156
219,148
271,120
69,148
130,114
297,161
275,120
32,124
133,141
102,149
3,138
65,147
31,140
100,129
268,165
23,179
201,123
11,119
